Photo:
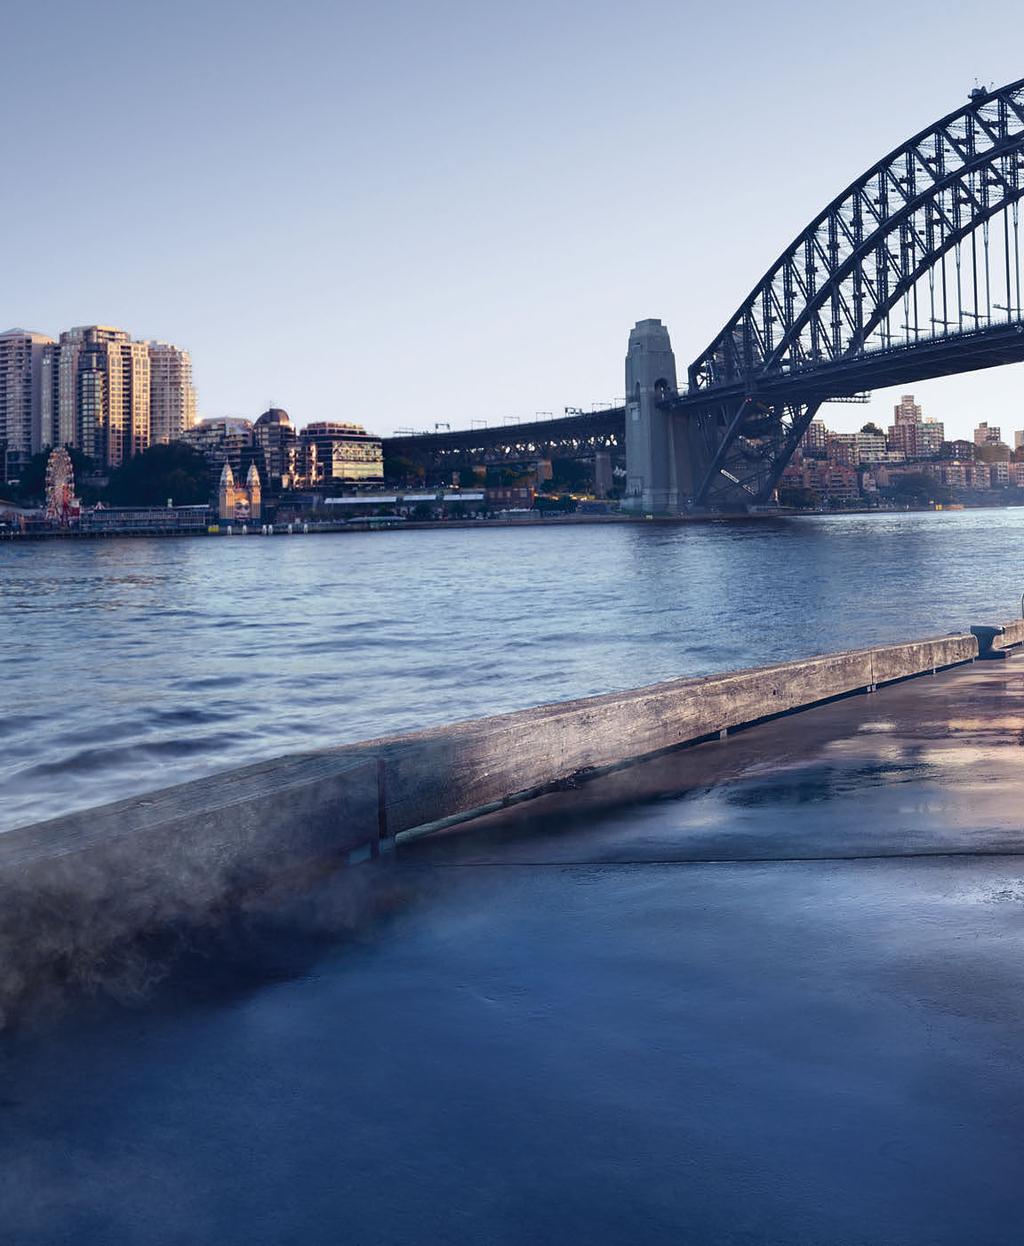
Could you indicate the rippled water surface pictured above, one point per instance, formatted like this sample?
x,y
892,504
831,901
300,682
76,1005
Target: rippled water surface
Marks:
x,y
128,665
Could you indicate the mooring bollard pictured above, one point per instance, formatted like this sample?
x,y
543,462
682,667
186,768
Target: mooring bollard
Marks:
x,y
986,634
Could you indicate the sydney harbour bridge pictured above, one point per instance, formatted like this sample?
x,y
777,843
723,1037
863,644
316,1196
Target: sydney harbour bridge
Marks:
x,y
913,272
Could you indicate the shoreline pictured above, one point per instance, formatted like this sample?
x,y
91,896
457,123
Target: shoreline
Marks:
x,y
399,525
177,856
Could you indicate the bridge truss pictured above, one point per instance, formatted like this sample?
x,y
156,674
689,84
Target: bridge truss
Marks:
x,y
577,436
914,271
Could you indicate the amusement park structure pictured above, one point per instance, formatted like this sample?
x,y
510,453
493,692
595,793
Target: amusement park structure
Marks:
x,y
61,504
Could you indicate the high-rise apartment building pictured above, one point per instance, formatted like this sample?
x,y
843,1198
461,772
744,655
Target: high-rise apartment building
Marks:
x,y
96,393
985,435
842,449
930,438
913,436
172,408
814,442
21,376
907,411
871,447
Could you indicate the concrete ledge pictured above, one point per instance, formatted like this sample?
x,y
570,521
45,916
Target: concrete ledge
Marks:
x,y
76,891
1013,635
437,774
74,888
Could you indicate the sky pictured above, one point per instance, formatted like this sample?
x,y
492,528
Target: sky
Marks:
x,y
411,214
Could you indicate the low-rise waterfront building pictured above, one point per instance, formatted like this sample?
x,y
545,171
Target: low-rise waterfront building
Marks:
x,y
278,440
343,452
239,501
150,520
221,441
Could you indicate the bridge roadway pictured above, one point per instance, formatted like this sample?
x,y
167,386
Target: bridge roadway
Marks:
x,y
926,359
566,437
581,436
769,989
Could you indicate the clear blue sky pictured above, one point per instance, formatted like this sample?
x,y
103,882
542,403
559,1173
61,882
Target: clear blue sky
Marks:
x,y
405,213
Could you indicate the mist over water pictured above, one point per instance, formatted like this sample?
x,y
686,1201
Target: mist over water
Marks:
x,y
130,665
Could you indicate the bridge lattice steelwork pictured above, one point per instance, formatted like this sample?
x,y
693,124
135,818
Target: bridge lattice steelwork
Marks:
x,y
912,272
565,437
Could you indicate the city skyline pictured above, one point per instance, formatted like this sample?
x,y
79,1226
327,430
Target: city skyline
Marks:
x,y
480,239
94,388
841,416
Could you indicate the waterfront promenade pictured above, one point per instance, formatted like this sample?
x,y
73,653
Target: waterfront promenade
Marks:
x,y
764,989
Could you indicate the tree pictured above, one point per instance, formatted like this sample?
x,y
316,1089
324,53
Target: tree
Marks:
x,y
920,487
571,475
551,506
401,470
31,485
161,472
872,429
799,498
994,452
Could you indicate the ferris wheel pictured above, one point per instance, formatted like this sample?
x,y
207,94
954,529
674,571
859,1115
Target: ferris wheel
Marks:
x,y
60,487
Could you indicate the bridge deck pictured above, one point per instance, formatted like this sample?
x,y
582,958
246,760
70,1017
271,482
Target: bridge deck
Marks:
x,y
990,347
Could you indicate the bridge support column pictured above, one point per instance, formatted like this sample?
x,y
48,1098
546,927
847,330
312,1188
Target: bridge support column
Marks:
x,y
657,460
603,479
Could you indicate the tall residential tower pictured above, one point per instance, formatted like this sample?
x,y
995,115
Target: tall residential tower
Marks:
x,y
96,393
173,399
21,379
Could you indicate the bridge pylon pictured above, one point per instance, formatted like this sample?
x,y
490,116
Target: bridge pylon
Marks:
x,y
658,469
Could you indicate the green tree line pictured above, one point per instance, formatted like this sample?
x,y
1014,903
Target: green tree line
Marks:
x,y
148,479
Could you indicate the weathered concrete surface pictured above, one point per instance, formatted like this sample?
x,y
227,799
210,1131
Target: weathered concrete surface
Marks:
x,y
441,772
74,887
1013,634
74,890
777,1003
929,766
306,799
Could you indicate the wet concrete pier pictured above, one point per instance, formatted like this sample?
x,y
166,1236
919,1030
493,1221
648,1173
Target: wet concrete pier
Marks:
x,y
768,989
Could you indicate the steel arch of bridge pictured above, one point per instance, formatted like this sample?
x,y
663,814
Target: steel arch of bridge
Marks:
x,y
898,278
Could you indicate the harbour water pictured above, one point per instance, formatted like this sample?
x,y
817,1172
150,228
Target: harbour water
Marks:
x,y
129,665
776,1001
